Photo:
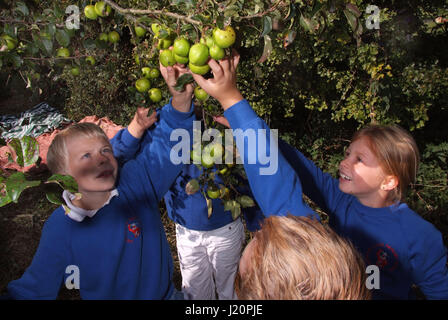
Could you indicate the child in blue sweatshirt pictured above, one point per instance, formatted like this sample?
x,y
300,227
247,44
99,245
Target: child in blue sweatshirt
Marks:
x,y
364,204
209,248
110,240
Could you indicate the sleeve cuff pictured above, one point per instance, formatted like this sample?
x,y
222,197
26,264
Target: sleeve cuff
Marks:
x,y
128,139
239,114
178,115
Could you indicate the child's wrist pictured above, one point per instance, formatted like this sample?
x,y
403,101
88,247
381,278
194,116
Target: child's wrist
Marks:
x,y
230,100
181,104
136,130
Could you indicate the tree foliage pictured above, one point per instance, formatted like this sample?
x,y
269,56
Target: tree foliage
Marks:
x,y
316,69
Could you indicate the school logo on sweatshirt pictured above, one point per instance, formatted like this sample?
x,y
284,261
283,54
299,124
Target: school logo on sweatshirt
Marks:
x,y
384,256
133,229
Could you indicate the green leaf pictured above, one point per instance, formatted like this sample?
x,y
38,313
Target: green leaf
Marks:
x,y
351,19
163,34
192,187
26,149
182,81
267,25
353,9
228,205
308,24
220,22
16,60
55,197
16,183
45,45
89,44
145,19
317,7
246,201
62,38
266,50
236,210
22,8
209,206
66,182
4,200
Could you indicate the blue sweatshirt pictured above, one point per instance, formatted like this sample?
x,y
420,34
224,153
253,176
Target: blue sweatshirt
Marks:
x,y
122,251
406,248
189,211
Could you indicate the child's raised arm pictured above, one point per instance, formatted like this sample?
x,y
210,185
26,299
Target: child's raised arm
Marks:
x,y
129,142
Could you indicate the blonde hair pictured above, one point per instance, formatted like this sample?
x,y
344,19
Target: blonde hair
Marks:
x,y
396,152
301,259
57,154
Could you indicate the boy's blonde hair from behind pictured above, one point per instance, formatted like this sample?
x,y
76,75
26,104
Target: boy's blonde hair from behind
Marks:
x,y
396,152
298,258
57,156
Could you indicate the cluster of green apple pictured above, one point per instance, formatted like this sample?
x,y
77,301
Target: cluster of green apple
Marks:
x,y
100,9
198,54
111,37
212,155
206,182
65,53
162,35
143,84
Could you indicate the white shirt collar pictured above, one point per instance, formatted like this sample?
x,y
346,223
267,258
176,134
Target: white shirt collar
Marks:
x,y
78,214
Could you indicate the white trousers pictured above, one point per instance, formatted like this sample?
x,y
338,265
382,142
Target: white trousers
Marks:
x,y
209,261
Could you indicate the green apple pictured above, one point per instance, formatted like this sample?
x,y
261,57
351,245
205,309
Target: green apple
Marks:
x,y
11,42
217,52
75,71
207,160
154,73
180,59
113,37
181,47
139,31
102,9
213,193
155,27
166,58
215,150
104,37
200,94
155,95
224,38
142,85
198,54
208,41
201,70
91,60
195,156
164,44
63,53
90,12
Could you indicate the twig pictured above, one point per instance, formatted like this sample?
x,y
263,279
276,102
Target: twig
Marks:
x,y
130,12
55,58
29,23
258,15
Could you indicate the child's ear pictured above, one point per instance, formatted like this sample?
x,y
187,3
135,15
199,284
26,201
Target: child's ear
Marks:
x,y
389,183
